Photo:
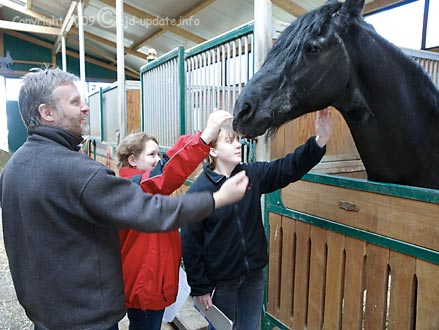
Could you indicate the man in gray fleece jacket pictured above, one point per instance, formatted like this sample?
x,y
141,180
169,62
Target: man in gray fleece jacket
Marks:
x,y
61,211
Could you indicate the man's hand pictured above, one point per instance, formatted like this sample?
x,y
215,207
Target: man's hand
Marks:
x,y
214,122
232,190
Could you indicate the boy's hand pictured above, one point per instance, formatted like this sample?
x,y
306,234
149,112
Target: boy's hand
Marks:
x,y
214,123
323,126
205,300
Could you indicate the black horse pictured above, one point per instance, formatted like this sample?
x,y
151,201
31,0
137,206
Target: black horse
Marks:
x,y
332,57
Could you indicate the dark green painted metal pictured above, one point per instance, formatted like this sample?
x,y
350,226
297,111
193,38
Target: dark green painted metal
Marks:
x,y
415,193
182,87
25,50
94,149
101,112
162,59
233,34
268,322
142,104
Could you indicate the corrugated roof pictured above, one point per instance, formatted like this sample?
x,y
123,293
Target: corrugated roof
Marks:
x,y
163,25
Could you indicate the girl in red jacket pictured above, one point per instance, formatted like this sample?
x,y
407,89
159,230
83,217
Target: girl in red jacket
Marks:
x,y
151,261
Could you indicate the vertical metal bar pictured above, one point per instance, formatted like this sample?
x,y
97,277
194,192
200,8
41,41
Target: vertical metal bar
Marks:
x,y
81,49
223,77
64,55
121,70
182,88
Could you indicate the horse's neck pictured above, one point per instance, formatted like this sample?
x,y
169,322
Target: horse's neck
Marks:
x,y
386,81
392,110
387,66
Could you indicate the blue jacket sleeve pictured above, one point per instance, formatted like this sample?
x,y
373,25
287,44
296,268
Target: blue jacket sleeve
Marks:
x,y
283,171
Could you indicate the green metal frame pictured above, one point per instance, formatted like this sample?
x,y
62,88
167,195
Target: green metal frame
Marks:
x,y
182,80
221,39
171,55
101,112
181,55
274,204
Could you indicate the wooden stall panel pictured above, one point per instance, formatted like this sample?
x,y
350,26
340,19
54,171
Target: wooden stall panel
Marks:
x,y
402,292
407,220
287,283
133,108
274,271
427,309
341,156
354,284
334,281
317,278
320,279
301,276
377,287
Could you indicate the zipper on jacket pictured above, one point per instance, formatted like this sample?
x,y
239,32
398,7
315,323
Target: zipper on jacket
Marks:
x,y
244,247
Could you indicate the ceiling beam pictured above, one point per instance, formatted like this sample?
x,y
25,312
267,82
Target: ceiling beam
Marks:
x,y
69,52
290,7
107,42
379,4
31,13
8,25
69,19
110,58
188,13
164,23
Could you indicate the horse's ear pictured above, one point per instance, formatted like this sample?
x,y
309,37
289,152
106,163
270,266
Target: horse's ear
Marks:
x,y
352,7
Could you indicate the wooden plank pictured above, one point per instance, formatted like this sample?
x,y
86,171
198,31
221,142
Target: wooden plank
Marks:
x,y
133,110
376,284
340,146
287,270
403,219
275,264
290,7
354,283
17,26
301,275
334,281
427,316
317,278
402,291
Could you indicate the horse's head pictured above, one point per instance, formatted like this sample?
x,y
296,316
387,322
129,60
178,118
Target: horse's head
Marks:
x,y
307,69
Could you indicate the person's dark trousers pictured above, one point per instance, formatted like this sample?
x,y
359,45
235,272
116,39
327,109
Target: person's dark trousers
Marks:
x,y
241,300
114,327
145,320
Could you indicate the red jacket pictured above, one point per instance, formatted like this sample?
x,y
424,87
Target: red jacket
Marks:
x,y
151,261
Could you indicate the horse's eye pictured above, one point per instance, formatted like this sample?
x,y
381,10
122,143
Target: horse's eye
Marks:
x,y
313,48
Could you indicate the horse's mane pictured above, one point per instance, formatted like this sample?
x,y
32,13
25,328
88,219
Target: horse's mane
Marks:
x,y
292,40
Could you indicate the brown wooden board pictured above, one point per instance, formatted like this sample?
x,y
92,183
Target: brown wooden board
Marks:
x,y
403,219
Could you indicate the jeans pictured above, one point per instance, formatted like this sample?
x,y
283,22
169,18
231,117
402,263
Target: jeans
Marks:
x,y
241,300
145,320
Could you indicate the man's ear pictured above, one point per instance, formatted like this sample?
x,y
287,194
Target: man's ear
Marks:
x,y
46,112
